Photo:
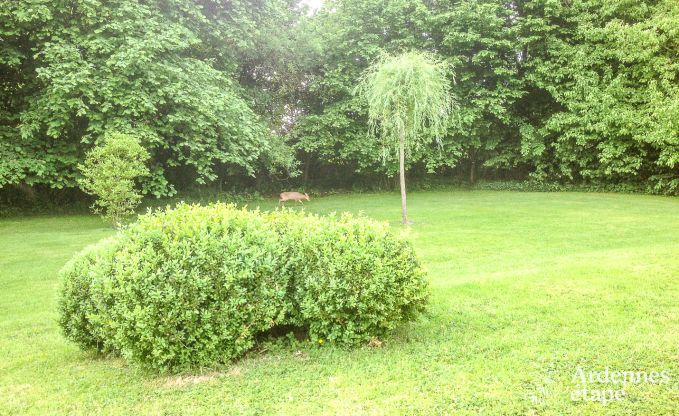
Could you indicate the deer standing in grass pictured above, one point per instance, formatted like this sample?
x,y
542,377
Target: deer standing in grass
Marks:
x,y
293,196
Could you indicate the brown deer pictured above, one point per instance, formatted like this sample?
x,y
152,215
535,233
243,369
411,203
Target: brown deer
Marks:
x,y
293,196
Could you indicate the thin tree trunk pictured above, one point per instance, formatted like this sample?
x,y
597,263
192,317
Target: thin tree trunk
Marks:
x,y
402,174
307,162
472,172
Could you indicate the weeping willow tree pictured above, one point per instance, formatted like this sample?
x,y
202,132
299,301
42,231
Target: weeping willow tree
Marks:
x,y
409,102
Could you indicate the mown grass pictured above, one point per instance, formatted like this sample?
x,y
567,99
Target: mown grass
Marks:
x,y
525,288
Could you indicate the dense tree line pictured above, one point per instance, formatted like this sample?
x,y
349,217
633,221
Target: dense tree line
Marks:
x,y
577,91
223,92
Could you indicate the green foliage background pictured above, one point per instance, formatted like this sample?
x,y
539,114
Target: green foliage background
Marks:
x,y
248,93
584,91
166,71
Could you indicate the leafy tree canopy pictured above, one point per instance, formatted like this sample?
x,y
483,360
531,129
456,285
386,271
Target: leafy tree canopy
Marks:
x,y
580,91
408,100
165,70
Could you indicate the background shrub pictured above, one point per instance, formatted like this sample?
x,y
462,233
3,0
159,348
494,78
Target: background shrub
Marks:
x,y
110,171
194,286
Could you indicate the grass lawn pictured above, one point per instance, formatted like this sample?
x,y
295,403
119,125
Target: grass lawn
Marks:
x,y
525,288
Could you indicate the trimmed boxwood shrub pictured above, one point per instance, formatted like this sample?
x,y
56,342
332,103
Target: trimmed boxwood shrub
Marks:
x,y
193,286
352,279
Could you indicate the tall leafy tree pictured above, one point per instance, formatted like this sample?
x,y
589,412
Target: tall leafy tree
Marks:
x,y
331,130
407,95
477,37
480,39
166,70
605,75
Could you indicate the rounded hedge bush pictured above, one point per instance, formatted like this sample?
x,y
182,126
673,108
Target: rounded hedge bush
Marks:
x,y
353,280
193,286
